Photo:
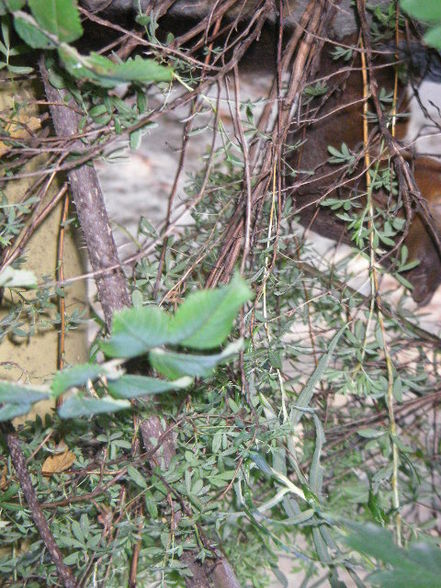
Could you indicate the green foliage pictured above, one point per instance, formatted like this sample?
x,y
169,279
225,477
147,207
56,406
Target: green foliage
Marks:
x,y
138,331
429,12
11,5
102,71
268,454
53,24
418,566
59,17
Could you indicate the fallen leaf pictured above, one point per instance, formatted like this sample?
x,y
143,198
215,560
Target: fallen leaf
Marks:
x,y
3,479
54,464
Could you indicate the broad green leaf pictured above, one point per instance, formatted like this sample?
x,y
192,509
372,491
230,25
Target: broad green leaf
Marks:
x,y
11,5
77,375
10,411
174,365
141,70
427,10
13,393
204,320
28,30
106,73
59,17
16,278
78,406
136,330
433,37
135,386
306,394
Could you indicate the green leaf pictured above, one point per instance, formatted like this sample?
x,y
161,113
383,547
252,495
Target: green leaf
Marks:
x,y
377,512
59,17
419,566
136,477
136,330
306,394
371,433
261,463
135,139
10,411
21,70
104,72
78,406
135,386
11,5
205,318
427,10
316,470
13,393
173,365
28,30
433,37
141,70
77,375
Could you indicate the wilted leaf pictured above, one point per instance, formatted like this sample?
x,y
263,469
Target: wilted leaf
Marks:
x,y
54,464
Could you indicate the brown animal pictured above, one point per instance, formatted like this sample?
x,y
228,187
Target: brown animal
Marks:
x,y
340,120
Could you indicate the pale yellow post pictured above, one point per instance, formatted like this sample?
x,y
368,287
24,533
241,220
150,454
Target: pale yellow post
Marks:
x,y
35,360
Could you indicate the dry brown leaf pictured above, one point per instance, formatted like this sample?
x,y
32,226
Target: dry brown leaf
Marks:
x,y
3,479
54,464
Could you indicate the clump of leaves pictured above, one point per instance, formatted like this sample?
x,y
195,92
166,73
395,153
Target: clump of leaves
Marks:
x,y
418,566
202,322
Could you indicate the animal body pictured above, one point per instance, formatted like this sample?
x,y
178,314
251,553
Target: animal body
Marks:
x,y
339,120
